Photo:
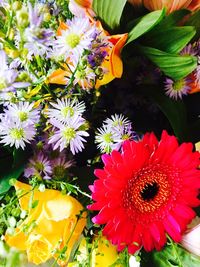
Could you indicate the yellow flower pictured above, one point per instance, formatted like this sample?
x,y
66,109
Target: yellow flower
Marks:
x,y
103,253
170,5
52,226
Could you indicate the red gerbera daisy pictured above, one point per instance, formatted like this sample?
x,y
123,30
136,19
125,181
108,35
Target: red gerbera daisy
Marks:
x,y
146,192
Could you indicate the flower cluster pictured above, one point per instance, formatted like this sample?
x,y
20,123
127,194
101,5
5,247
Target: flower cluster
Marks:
x,y
17,124
113,133
99,133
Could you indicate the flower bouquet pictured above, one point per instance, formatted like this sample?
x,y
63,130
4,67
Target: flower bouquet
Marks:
x,y
99,133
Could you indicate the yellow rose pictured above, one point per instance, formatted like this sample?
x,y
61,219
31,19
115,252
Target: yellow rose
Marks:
x,y
103,253
52,226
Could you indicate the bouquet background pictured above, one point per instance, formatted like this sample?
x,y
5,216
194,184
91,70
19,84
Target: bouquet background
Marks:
x,y
99,133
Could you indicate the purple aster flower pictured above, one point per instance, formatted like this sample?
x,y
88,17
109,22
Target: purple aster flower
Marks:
x,y
8,76
74,40
39,166
69,134
60,167
15,133
190,49
177,89
65,108
23,111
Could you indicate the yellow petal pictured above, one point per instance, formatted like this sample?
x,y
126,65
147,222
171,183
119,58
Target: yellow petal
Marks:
x,y
39,250
197,146
104,253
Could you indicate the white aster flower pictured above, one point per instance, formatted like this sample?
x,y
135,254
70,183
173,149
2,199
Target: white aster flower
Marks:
x,y
23,111
75,39
105,139
66,108
114,132
68,134
15,133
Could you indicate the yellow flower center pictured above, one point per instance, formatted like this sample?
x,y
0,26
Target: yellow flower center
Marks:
x,y
2,83
73,40
17,134
22,116
69,134
59,172
67,110
178,85
108,138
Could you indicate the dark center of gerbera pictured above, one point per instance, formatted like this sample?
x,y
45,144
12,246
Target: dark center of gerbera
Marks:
x,y
150,191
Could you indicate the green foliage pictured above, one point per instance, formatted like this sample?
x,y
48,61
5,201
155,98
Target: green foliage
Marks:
x,y
171,256
19,158
109,12
174,66
145,24
171,39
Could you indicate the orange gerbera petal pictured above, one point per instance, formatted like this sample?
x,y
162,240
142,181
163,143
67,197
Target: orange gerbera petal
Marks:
x,y
170,5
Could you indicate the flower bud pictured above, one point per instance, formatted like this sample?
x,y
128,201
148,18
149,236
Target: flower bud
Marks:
x,y
22,17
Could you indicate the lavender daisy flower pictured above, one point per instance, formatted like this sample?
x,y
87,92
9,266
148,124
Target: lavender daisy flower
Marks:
x,y
15,133
74,40
66,108
39,166
114,132
176,89
23,111
60,167
8,76
68,134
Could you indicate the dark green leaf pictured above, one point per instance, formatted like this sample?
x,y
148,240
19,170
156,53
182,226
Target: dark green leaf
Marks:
x,y
4,181
174,66
110,11
175,111
170,256
145,24
171,40
194,20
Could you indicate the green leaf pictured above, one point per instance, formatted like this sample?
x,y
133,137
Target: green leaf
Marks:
x,y
110,11
170,256
4,181
175,111
171,40
174,66
194,21
145,24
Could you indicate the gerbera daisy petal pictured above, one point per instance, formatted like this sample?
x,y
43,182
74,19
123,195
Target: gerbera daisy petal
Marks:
x,y
146,191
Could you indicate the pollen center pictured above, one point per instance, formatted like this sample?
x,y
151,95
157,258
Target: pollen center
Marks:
x,y
73,40
22,116
178,85
69,134
17,134
67,111
149,189
108,138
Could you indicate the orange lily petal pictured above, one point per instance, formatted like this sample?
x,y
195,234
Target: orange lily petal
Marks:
x,y
195,88
195,5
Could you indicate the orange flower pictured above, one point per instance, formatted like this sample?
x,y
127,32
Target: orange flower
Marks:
x,y
194,85
135,2
171,5
194,5
50,226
